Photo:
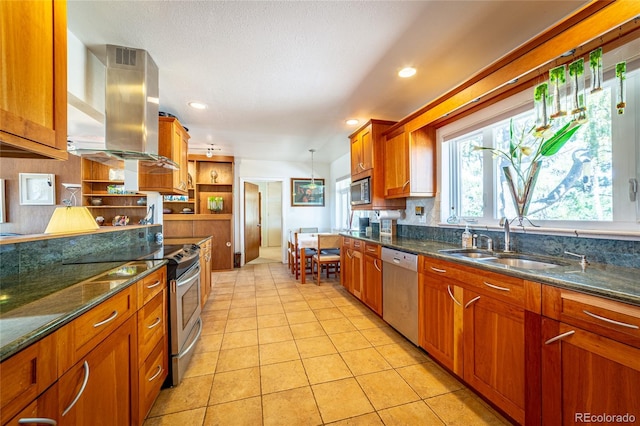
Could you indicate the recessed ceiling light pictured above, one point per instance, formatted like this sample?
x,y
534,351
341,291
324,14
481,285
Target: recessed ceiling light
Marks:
x,y
407,72
197,105
352,122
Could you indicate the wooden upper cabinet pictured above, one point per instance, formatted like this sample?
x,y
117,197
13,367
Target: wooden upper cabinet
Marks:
x,y
367,161
33,74
173,143
410,163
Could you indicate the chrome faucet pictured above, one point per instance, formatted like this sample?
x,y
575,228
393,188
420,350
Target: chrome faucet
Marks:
x,y
504,222
489,241
583,259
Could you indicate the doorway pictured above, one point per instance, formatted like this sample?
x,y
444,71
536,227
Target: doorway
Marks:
x,y
267,206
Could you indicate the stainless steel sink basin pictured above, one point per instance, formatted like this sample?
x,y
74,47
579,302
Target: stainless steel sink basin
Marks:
x,y
523,261
471,253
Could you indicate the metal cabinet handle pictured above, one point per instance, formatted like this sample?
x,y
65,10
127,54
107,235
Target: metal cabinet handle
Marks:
x,y
559,336
152,378
111,318
37,420
472,301
497,287
155,324
84,385
451,295
622,324
156,284
405,185
350,256
375,263
441,271
371,249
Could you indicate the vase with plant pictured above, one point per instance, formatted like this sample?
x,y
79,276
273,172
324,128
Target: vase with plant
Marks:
x,y
541,107
558,80
527,151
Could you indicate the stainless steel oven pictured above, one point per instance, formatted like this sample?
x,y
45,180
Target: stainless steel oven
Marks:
x,y
185,320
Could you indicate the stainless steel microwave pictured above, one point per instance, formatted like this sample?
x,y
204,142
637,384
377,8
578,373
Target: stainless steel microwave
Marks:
x,y
361,192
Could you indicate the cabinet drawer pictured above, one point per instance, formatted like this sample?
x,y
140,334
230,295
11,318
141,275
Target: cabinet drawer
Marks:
x,y
26,375
372,249
77,338
44,407
357,244
347,242
152,325
151,285
151,375
502,287
615,320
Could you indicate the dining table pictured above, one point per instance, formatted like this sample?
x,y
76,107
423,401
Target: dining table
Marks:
x,y
308,240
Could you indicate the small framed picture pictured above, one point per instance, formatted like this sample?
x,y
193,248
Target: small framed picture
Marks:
x,y
307,192
37,189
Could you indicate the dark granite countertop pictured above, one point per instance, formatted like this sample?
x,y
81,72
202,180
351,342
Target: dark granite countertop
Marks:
x,y
34,305
614,282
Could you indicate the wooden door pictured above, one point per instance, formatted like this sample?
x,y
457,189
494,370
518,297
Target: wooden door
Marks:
x,y
494,358
372,283
111,382
585,374
251,222
220,232
440,320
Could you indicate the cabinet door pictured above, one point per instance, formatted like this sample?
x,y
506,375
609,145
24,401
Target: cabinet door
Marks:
x,y
346,265
396,166
494,358
356,154
99,389
367,149
33,72
180,146
356,273
440,321
586,374
45,409
221,241
372,283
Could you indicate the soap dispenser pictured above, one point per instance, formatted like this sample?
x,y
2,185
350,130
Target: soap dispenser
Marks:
x,y
467,239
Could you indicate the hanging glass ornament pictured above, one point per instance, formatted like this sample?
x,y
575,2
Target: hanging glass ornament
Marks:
x,y
558,80
595,63
578,95
541,105
621,95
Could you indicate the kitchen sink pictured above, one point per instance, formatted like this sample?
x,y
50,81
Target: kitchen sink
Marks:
x,y
471,253
523,261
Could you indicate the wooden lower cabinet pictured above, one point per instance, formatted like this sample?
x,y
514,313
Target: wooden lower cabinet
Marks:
x,y
205,271
494,345
354,259
372,282
44,409
98,389
218,227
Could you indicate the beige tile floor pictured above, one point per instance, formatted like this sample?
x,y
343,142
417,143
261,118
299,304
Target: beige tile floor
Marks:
x,y
275,352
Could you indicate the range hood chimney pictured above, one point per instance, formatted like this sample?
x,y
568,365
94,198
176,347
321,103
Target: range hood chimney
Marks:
x,y
131,114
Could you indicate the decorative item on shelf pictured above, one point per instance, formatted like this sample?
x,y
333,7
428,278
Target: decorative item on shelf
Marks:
x,y
558,80
540,104
100,220
621,95
120,220
595,63
527,150
576,71
116,174
118,190
167,210
96,201
214,176
187,210
215,204
189,181
148,219
453,218
71,218
142,201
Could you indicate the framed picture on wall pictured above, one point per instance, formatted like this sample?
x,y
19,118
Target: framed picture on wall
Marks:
x,y
37,189
307,192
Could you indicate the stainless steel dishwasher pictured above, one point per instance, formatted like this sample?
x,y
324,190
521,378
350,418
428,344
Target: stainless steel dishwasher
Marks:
x,y
400,292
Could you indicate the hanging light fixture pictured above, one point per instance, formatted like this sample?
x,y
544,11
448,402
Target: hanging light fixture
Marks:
x,y
211,149
312,185
71,218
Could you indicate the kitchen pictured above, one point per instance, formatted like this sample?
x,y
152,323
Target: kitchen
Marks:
x,y
418,201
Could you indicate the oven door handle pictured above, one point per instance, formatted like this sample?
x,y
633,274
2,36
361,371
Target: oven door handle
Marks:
x,y
181,282
195,340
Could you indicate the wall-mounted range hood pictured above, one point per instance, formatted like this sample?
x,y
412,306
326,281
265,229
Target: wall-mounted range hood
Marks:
x,y
131,112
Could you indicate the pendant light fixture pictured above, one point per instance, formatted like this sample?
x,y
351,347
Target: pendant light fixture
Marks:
x,y
211,149
312,185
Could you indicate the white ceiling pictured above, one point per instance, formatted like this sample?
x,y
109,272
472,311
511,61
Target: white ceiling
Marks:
x,y
282,77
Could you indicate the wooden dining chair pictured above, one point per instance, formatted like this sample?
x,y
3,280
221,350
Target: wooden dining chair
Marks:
x,y
297,262
326,255
308,230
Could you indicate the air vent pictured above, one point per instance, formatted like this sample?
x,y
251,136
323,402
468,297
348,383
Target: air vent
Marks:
x,y
125,56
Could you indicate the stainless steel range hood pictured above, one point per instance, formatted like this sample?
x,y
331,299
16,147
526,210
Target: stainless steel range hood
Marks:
x,y
131,111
